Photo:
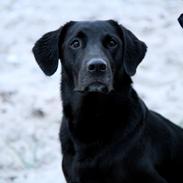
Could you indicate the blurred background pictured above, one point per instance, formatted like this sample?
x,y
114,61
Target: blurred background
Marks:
x,y
30,107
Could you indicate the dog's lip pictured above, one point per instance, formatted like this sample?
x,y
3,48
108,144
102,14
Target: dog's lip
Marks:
x,y
82,88
95,87
97,83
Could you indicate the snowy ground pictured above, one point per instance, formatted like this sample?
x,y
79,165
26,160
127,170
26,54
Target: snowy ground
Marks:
x,y
30,105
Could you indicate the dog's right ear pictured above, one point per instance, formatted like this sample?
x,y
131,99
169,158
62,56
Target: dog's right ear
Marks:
x,y
46,50
180,19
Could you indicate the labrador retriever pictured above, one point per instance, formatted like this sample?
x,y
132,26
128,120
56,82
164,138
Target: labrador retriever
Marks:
x,y
108,135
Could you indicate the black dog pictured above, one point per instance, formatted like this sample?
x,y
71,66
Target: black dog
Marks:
x,y
108,135
180,19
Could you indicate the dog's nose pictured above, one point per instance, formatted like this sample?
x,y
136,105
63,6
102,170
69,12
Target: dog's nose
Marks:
x,y
96,65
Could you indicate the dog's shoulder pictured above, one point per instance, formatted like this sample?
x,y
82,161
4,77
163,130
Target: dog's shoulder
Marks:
x,y
163,133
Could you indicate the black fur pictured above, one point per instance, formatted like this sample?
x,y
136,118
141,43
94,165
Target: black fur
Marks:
x,y
46,51
134,51
180,19
108,135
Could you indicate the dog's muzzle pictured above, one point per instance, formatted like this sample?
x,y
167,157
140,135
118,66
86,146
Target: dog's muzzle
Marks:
x,y
96,76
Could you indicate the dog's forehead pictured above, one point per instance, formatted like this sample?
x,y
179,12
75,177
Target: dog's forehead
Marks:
x,y
92,27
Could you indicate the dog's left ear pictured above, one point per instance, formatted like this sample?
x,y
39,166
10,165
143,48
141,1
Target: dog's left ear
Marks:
x,y
180,19
134,51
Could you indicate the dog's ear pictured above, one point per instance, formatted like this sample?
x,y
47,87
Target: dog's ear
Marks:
x,y
46,50
180,19
134,51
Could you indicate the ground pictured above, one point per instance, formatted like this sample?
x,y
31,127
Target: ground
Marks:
x,y
30,106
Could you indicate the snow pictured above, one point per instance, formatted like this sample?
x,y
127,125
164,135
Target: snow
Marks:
x,y
30,107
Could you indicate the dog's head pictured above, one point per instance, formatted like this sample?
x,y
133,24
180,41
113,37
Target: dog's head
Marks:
x,y
91,53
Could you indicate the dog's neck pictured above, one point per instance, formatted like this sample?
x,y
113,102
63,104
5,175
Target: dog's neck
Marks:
x,y
95,117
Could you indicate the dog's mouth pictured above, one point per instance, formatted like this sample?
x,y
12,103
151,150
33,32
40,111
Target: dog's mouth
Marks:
x,y
95,87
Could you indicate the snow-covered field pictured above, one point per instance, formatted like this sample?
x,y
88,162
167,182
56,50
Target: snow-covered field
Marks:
x,y
30,107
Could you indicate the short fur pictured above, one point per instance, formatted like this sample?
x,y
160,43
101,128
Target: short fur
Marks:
x,y
108,137
180,19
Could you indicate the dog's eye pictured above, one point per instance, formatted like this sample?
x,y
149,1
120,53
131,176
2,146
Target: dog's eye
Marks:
x,y
110,42
76,43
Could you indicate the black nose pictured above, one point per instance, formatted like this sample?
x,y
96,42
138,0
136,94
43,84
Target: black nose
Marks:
x,y
96,65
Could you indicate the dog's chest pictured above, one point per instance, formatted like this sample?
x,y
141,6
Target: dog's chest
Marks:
x,y
99,170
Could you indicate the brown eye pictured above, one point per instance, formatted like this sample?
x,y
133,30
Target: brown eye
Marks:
x,y
75,44
110,42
